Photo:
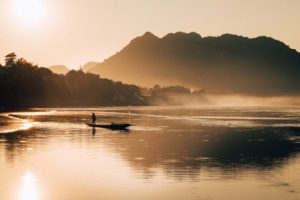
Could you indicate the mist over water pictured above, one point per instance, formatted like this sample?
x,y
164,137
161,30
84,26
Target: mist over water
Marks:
x,y
245,100
168,153
211,99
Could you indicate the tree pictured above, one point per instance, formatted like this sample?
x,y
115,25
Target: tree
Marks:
x,y
10,59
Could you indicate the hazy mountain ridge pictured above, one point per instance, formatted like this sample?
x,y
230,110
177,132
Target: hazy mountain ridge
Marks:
x,y
59,69
229,63
89,65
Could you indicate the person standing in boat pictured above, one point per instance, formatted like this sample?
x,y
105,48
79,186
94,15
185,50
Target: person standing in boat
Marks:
x,y
94,118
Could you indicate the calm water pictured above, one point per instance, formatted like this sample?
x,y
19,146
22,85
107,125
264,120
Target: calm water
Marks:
x,y
170,153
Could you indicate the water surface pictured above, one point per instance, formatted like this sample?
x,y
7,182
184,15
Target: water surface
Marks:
x,y
168,153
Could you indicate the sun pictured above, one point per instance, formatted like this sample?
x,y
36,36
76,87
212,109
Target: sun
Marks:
x,y
30,11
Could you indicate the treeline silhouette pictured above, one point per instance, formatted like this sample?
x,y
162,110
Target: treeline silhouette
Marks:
x,y
24,85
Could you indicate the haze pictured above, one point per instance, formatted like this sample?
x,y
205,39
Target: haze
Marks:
x,y
72,33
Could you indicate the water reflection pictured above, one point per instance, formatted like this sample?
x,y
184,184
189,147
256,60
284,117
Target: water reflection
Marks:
x,y
10,123
183,154
180,148
29,190
18,144
165,152
94,131
26,124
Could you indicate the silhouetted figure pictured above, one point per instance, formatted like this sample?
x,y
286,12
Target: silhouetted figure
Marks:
x,y
94,118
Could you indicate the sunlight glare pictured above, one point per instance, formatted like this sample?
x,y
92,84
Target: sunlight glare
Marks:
x,y
26,125
29,190
29,11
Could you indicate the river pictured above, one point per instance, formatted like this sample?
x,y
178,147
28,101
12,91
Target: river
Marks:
x,y
204,153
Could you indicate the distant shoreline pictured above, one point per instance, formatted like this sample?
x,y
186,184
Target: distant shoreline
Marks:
x,y
12,110
3,110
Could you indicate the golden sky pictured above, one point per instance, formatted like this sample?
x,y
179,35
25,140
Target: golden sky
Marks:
x,y
73,32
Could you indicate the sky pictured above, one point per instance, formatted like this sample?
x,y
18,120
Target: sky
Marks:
x,y
74,32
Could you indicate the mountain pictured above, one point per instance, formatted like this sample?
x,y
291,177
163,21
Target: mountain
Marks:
x,y
89,65
226,64
59,69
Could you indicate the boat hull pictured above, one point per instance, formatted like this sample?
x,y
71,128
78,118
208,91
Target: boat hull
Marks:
x,y
110,126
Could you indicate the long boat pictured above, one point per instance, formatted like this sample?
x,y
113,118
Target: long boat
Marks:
x,y
114,126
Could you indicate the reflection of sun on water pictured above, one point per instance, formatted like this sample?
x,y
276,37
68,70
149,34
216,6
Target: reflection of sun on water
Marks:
x,y
26,125
29,190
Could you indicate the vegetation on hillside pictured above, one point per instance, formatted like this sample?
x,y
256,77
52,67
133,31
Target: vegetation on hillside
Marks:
x,y
232,64
24,85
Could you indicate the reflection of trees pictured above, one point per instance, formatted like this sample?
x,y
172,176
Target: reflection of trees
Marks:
x,y
17,143
177,149
184,153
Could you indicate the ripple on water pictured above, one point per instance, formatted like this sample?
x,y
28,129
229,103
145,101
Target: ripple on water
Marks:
x,y
11,124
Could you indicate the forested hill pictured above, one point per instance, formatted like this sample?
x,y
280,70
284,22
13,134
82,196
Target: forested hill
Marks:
x,y
227,64
24,85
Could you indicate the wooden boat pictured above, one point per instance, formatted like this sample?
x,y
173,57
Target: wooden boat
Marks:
x,y
113,126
